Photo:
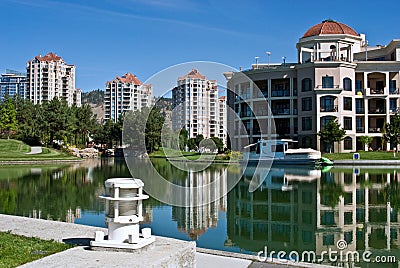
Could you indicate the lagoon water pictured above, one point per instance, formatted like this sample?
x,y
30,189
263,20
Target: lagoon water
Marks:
x,y
287,209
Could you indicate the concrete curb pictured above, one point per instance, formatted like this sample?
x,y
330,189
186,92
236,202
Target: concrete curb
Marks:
x,y
38,162
367,162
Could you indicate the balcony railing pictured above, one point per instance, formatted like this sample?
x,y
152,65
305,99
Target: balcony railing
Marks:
x,y
393,110
375,91
280,93
374,130
394,91
377,110
325,87
280,111
333,108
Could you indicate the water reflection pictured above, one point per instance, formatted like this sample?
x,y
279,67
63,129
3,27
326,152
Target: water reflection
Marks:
x,y
292,209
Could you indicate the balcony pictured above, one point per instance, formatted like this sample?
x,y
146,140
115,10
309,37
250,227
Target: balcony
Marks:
x,y
394,91
329,109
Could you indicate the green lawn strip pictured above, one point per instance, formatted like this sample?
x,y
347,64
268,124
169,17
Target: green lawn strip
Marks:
x,y
15,150
363,156
16,250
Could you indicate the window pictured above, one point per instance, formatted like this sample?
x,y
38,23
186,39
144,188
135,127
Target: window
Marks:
x,y
348,103
347,123
392,86
325,120
306,143
306,104
348,143
306,84
327,82
306,123
359,106
393,105
347,84
277,148
328,104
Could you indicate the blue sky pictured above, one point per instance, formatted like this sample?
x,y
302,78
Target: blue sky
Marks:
x,y
106,38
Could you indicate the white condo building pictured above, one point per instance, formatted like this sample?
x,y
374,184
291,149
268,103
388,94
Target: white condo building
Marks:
x,y
49,77
196,106
126,93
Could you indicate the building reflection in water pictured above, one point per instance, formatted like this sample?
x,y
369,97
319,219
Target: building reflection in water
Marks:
x,y
313,212
195,219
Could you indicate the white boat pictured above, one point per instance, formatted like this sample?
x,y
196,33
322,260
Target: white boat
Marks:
x,y
278,152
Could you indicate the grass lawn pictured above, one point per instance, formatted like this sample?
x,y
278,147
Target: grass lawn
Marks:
x,y
16,250
175,153
16,150
378,155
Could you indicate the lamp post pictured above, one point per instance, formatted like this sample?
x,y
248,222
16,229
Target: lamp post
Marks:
x,y
284,60
256,61
269,55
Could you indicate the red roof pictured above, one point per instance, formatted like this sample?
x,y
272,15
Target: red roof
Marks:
x,y
194,73
330,27
127,78
49,57
222,98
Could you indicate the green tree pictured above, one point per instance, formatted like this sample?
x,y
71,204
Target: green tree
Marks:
x,y
331,133
183,138
198,139
192,144
366,140
218,143
154,125
8,116
391,132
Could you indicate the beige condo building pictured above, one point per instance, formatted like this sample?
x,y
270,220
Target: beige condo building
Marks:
x,y
49,77
197,108
337,76
126,93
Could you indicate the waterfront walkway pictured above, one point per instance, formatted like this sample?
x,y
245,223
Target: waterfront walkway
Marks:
x,y
165,252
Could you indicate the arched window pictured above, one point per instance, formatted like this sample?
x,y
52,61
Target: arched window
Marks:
x,y
306,84
348,143
347,84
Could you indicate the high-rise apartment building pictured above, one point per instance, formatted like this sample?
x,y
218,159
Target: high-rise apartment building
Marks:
x,y
222,123
337,76
126,93
12,83
49,77
196,106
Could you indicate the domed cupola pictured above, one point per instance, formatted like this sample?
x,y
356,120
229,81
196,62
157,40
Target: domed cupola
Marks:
x,y
329,41
329,27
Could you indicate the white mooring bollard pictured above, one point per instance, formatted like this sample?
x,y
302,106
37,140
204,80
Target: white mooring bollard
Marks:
x,y
123,212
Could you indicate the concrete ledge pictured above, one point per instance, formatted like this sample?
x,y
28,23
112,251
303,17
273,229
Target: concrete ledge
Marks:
x,y
366,162
165,252
38,162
